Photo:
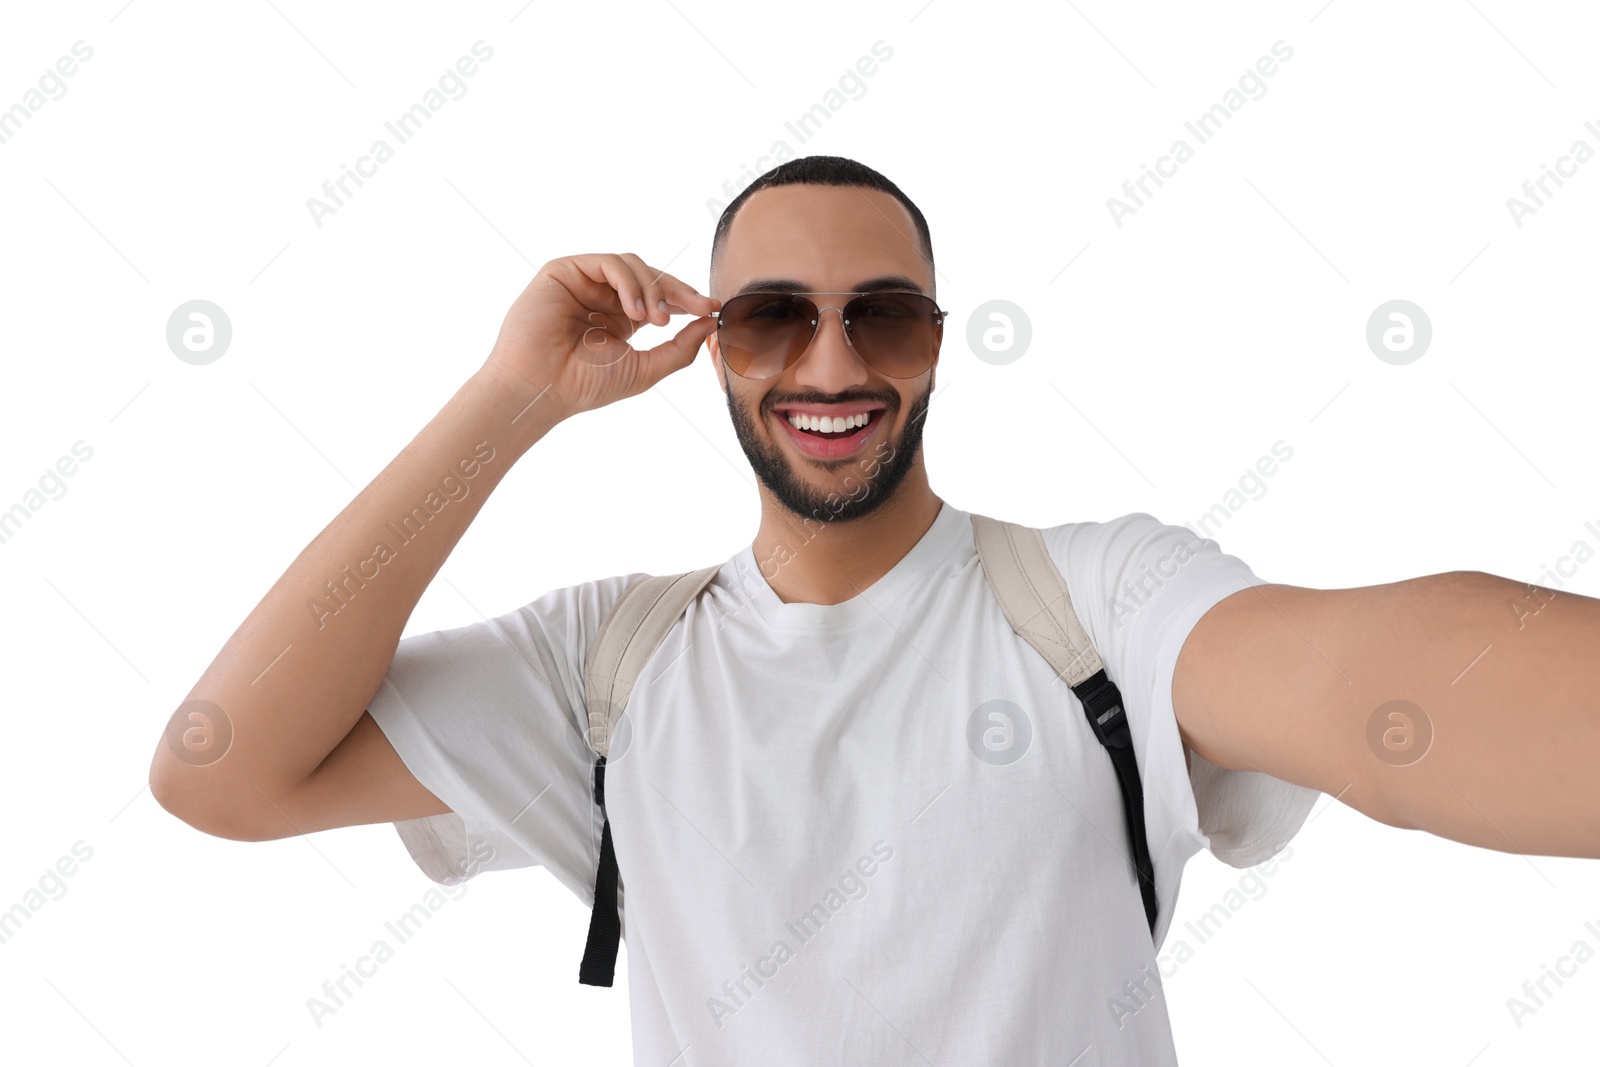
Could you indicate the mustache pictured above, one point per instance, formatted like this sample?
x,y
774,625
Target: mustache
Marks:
x,y
771,401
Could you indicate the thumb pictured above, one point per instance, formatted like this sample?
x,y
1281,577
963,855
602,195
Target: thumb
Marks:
x,y
678,353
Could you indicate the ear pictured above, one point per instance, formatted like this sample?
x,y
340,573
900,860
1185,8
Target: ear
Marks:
x,y
715,349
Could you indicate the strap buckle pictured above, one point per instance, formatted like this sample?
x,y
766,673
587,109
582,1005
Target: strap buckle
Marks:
x,y
1103,702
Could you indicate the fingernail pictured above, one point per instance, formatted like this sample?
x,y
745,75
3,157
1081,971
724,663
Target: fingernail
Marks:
x,y
638,304
662,304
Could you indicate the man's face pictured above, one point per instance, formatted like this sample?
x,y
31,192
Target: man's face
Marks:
x,y
831,239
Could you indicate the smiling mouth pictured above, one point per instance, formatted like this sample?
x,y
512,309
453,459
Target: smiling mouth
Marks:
x,y
821,433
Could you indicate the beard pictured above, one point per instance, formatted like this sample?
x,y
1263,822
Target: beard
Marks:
x,y
776,471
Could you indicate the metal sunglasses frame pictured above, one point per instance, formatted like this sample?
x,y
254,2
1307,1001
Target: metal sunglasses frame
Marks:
x,y
939,315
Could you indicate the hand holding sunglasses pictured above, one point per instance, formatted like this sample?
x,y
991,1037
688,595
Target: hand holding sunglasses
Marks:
x,y
565,340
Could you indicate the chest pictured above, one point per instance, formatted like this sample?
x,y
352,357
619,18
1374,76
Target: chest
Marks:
x,y
755,769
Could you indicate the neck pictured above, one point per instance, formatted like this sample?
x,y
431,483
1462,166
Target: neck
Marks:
x,y
808,561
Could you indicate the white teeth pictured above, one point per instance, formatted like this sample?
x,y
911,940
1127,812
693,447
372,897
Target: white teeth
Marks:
x,y
829,424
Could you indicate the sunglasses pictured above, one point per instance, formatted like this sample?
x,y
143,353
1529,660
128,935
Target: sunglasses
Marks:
x,y
761,335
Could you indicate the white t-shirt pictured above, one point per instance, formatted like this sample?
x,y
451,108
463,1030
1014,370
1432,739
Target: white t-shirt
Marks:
x,y
875,832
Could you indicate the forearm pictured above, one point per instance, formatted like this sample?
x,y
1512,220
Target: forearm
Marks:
x,y
300,670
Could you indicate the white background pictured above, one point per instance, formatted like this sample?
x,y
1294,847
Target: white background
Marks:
x,y
1228,313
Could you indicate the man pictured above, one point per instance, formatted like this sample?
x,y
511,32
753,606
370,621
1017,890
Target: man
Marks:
x,y
825,854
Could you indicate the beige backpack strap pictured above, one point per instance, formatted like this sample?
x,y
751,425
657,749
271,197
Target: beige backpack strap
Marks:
x,y
1034,596
626,640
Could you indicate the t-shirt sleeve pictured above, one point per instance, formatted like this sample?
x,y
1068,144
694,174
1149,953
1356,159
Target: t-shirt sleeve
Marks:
x,y
490,717
1139,586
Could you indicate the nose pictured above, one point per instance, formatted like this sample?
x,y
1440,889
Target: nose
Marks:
x,y
830,365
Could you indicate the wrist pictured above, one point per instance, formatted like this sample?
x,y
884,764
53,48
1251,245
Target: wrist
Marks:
x,y
514,409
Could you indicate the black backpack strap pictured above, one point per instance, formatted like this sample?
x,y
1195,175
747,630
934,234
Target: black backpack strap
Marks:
x,y
1036,602
1102,706
605,926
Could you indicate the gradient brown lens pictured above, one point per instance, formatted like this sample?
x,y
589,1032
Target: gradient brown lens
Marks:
x,y
763,334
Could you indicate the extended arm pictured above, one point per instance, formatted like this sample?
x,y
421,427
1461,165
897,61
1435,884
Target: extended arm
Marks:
x,y
1496,745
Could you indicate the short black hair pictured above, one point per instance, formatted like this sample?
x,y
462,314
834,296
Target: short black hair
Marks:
x,y
822,170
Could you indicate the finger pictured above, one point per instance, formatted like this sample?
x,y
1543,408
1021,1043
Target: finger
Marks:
x,y
585,281
649,280
669,294
615,272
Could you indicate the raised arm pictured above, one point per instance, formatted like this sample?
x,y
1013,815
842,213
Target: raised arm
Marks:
x,y
274,739
1464,704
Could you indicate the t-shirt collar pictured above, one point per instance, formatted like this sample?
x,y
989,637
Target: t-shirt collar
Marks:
x,y
936,543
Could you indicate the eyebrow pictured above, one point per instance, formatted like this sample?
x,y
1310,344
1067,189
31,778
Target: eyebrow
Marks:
x,y
789,285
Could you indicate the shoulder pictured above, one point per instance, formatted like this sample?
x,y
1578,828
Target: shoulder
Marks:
x,y
1140,584
560,620
1101,557
568,617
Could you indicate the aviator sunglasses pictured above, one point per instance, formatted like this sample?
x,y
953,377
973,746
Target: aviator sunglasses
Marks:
x,y
761,335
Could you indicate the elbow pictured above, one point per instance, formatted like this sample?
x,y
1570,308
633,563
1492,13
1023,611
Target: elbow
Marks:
x,y
203,802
